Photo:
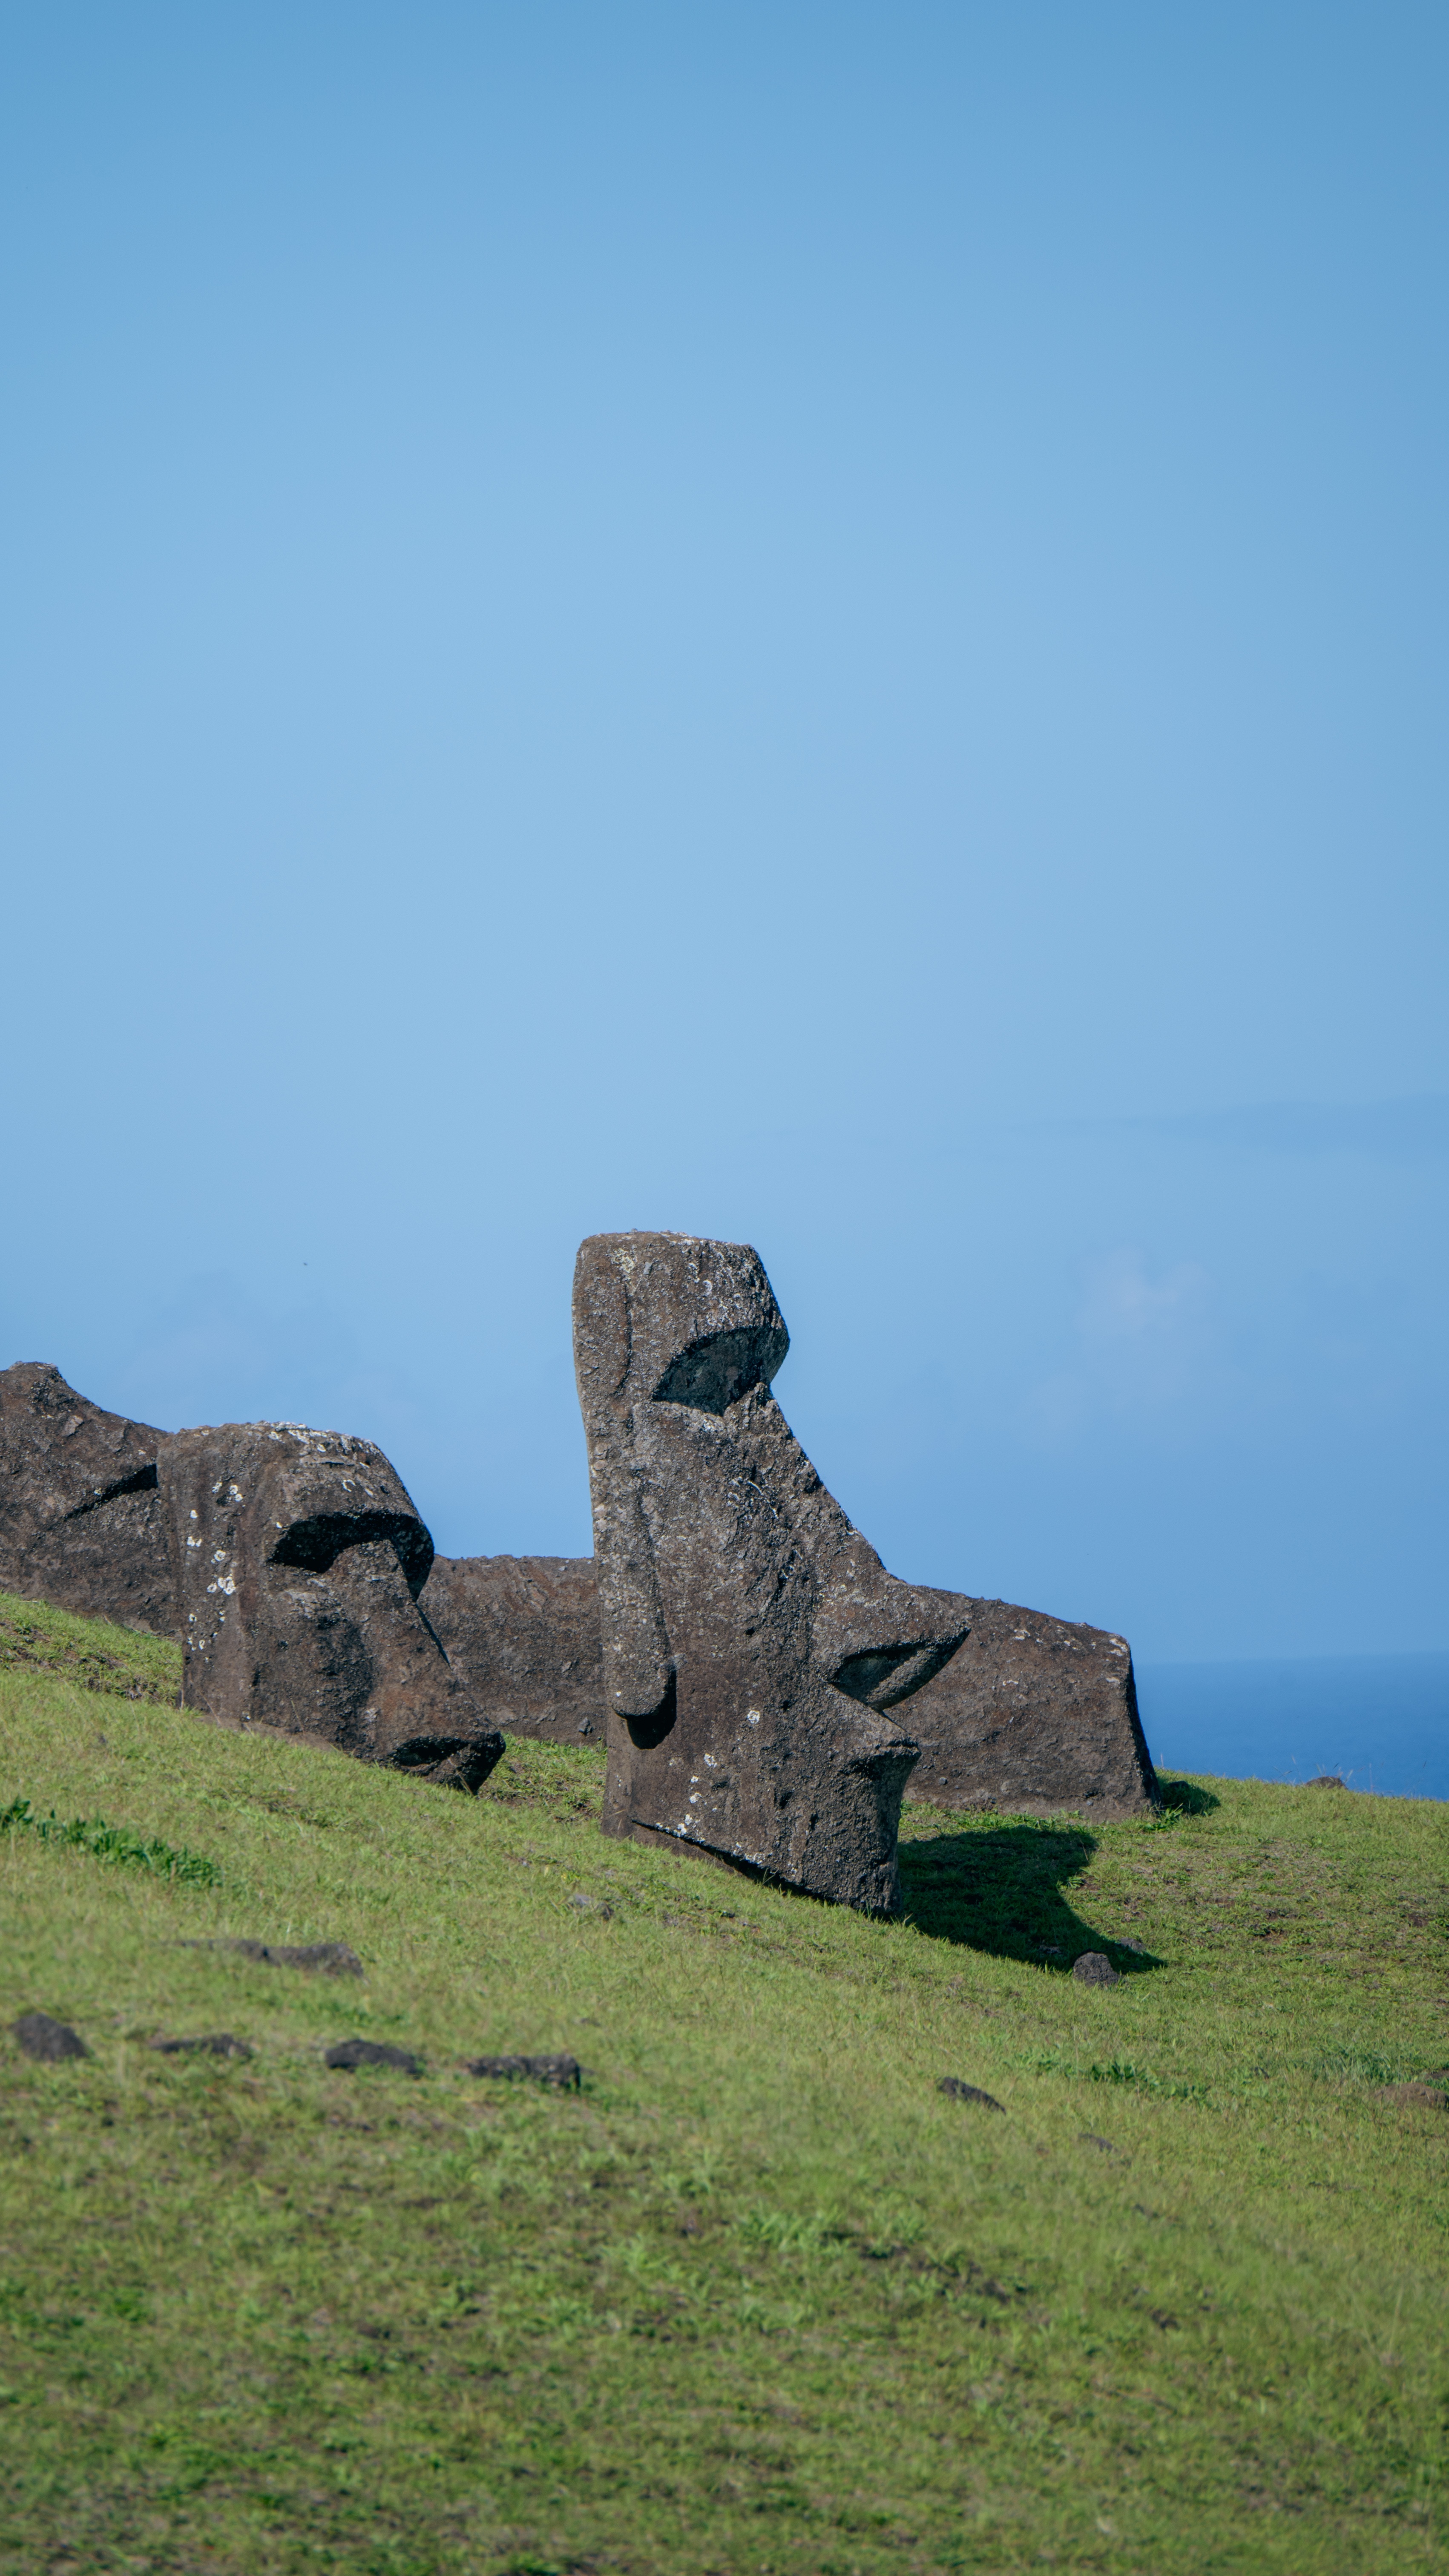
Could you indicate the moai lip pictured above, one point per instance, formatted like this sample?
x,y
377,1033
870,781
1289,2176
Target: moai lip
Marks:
x,y
298,1557
753,1643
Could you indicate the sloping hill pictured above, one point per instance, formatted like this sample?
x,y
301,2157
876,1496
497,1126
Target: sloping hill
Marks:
x,y
758,2296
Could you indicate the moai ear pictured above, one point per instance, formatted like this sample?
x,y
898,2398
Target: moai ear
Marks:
x,y
638,1665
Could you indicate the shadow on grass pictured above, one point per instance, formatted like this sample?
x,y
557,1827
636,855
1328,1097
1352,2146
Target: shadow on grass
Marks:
x,y
1003,1891
1189,1797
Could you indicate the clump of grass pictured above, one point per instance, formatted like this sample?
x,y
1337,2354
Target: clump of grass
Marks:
x,y
1121,2070
115,1843
1365,2066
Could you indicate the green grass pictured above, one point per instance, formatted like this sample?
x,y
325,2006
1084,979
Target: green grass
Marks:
x,y
758,2298
122,1662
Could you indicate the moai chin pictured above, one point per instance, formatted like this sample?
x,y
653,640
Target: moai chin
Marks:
x,y
298,1558
753,1642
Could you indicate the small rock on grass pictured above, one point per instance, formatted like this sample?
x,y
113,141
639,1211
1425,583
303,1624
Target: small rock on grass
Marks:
x,y
216,2043
49,2040
561,2073
591,1905
352,2053
1089,2138
1326,1780
1094,1968
1423,2097
322,1958
960,2091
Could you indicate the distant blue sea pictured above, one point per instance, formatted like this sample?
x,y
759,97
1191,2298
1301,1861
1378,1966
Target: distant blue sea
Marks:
x,y
1381,1721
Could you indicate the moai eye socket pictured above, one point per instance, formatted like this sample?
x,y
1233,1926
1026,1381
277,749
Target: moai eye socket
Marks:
x,y
318,1541
717,1370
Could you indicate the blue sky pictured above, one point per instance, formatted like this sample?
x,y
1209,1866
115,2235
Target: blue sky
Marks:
x,y
815,624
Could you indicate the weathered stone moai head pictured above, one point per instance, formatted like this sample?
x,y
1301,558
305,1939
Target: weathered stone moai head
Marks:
x,y
298,1559
753,1642
80,1519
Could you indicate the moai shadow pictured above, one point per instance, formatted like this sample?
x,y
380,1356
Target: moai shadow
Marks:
x,y
298,1558
753,1643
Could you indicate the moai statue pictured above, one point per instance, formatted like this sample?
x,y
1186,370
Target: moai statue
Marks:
x,y
522,1634
1035,1715
753,1643
80,1519
298,1558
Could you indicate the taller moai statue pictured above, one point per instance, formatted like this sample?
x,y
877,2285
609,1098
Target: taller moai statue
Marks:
x,y
753,1643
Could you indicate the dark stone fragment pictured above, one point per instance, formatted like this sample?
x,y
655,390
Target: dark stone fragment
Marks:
x,y
322,1958
46,2039
1035,1715
298,1557
1326,1780
351,2053
561,2073
522,1632
963,2092
217,2043
80,1517
1087,2138
1094,1968
753,1643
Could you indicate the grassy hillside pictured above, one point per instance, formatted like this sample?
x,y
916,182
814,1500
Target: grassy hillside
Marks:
x,y
759,2297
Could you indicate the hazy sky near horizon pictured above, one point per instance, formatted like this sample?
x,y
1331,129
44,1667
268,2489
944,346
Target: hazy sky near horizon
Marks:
x,y
820,624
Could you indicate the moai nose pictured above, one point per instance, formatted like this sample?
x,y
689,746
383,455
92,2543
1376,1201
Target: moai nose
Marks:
x,y
884,1675
880,1640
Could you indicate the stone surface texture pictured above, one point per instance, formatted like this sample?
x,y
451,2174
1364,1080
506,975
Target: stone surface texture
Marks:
x,y
317,1958
1094,1968
349,2054
80,1516
297,1557
960,2091
562,2074
523,1633
52,2041
753,1644
214,2043
1034,1714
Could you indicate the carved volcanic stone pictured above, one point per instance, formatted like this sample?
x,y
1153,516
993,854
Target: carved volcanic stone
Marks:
x,y
523,1633
753,1643
297,1560
1036,1714
80,1519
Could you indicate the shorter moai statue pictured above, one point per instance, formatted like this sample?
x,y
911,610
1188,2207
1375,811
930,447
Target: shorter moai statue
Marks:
x,y
753,1643
298,1558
